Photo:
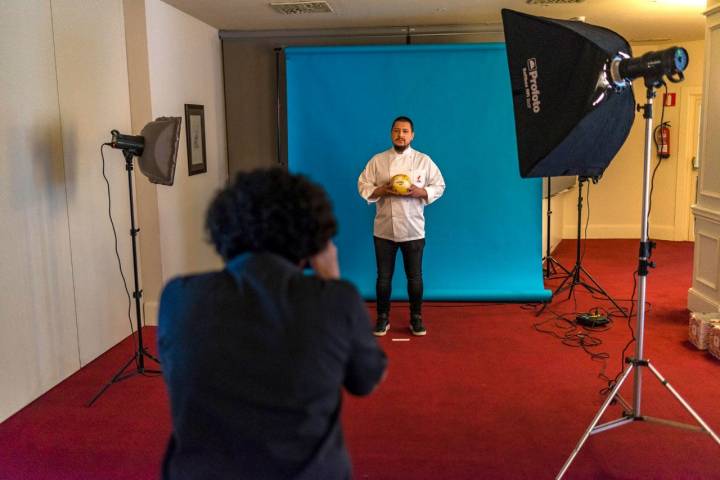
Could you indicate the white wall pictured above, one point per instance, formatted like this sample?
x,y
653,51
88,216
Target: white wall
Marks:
x,y
557,209
185,66
64,85
38,344
63,88
92,83
704,295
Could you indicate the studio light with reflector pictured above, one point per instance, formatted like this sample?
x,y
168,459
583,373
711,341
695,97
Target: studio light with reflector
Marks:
x,y
156,149
574,107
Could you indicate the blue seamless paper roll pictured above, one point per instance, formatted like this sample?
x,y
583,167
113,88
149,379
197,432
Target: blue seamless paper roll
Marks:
x,y
483,237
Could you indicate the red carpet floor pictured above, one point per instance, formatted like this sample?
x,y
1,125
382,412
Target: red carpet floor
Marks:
x,y
483,395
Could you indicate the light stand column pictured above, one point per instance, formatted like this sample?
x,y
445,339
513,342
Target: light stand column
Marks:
x,y
574,277
638,363
549,263
140,352
137,293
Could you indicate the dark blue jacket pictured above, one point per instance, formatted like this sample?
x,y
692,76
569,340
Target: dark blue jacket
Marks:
x,y
254,358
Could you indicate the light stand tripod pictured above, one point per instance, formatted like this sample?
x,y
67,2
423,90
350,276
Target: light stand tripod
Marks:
x,y
140,352
574,278
636,364
549,262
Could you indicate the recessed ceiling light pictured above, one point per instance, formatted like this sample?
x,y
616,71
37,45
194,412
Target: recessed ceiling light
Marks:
x,y
299,8
551,2
680,3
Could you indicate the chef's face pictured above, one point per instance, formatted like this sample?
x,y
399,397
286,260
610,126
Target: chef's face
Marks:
x,y
402,134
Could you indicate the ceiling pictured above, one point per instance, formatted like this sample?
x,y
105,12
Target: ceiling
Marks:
x,y
640,21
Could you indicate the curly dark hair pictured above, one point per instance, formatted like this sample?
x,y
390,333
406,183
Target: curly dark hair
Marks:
x,y
271,210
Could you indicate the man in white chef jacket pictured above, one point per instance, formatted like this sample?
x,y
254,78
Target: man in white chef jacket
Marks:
x,y
400,219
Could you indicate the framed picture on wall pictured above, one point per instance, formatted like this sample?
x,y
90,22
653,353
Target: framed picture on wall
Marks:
x,y
195,132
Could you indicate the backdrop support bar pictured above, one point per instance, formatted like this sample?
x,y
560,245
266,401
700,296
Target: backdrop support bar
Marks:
x,y
365,32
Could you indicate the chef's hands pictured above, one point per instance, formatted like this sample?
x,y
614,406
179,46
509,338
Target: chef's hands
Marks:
x,y
417,192
383,191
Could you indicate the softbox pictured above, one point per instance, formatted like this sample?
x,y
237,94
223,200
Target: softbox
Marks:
x,y
567,120
158,159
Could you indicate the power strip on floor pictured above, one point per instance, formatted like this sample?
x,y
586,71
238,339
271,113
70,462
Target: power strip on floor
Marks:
x,y
591,319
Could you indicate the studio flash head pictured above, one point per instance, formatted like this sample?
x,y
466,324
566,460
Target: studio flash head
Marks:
x,y
134,144
653,67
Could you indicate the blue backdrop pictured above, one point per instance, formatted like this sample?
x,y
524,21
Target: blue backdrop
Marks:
x,y
484,235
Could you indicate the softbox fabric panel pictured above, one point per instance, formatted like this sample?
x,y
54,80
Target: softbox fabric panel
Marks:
x,y
159,156
565,124
484,235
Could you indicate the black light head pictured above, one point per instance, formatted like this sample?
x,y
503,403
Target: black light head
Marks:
x,y
653,67
133,144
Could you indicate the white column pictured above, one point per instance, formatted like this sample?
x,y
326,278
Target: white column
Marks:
x,y
704,295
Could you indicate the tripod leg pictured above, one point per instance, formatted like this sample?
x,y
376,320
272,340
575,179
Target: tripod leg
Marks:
x,y
595,421
556,263
150,356
550,268
571,286
626,406
144,370
685,405
560,287
601,291
118,377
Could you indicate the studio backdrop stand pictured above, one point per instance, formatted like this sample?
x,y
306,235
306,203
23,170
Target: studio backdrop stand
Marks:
x,y
579,276
550,265
638,363
140,352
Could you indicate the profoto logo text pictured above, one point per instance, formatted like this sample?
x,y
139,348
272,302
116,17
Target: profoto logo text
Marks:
x,y
532,91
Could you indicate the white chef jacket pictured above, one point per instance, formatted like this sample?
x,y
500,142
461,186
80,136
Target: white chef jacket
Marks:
x,y
398,218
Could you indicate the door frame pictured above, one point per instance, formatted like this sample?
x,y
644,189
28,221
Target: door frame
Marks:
x,y
691,100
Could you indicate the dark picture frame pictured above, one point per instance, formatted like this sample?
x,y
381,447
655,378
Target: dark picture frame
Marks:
x,y
195,135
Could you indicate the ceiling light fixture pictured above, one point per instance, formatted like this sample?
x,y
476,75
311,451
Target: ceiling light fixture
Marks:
x,y
300,8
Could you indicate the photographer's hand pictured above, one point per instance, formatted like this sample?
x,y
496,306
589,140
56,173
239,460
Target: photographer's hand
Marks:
x,y
325,262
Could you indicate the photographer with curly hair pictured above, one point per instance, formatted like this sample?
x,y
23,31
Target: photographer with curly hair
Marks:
x,y
255,356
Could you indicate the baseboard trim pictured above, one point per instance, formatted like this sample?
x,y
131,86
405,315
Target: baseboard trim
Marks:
x,y
150,312
697,302
657,232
